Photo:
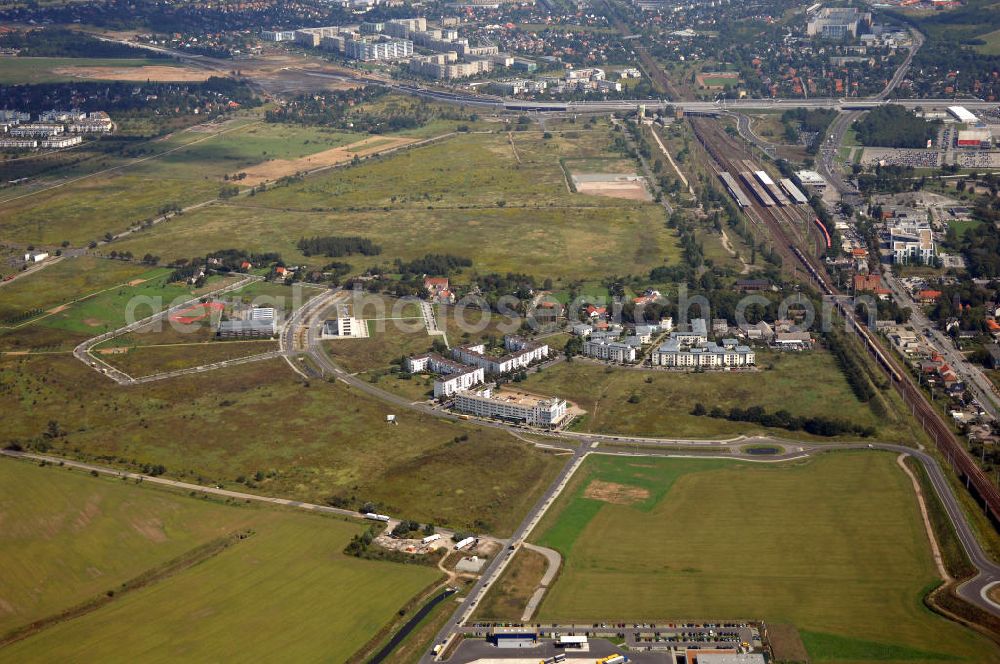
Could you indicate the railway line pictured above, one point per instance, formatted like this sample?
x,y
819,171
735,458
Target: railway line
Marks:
x,y
724,151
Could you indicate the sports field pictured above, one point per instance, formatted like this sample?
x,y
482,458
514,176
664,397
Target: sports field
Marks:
x,y
804,384
286,591
835,546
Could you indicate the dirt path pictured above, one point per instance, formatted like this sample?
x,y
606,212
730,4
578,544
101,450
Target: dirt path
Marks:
x,y
935,549
728,246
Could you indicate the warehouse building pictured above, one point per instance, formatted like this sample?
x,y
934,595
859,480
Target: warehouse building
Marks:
x,y
962,114
975,138
247,329
513,637
839,22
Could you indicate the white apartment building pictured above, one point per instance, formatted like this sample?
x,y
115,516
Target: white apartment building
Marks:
x,y
61,142
512,407
37,129
446,66
277,35
344,325
454,376
707,355
367,49
521,354
911,240
19,143
614,351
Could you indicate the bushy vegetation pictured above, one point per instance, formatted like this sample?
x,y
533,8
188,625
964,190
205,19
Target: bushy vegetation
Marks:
x,y
439,265
214,95
782,419
63,43
808,121
335,246
981,244
893,126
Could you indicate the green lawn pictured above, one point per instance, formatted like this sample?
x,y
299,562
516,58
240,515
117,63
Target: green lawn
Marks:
x,y
62,282
286,592
992,45
835,546
42,70
315,442
805,384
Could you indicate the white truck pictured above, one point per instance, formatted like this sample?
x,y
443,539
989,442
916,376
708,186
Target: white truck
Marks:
x,y
376,517
464,543
431,538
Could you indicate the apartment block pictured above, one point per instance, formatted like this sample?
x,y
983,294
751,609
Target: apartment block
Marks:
x,y
512,407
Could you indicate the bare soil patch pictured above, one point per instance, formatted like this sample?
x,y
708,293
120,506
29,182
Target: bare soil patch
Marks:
x,y
612,492
136,282
59,309
786,643
145,73
629,186
278,168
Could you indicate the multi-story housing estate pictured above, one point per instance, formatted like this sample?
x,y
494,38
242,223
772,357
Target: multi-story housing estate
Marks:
x,y
605,349
446,66
454,376
521,353
911,239
689,346
512,407
367,49
709,355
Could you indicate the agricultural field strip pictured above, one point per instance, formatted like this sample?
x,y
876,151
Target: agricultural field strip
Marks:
x,y
130,164
59,307
208,367
215,491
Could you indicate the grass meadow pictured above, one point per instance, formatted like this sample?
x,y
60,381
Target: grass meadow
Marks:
x,y
805,384
70,537
834,545
15,71
315,442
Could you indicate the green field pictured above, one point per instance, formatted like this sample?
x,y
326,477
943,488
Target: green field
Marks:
x,y
459,196
804,384
316,442
42,70
992,45
148,359
286,591
65,281
834,545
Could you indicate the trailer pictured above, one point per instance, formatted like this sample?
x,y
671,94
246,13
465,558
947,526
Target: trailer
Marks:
x,y
756,189
734,190
794,192
464,543
376,517
430,538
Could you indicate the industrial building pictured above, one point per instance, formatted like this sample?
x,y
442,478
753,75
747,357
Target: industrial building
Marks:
x,y
839,22
513,637
975,138
247,329
509,406
812,181
962,114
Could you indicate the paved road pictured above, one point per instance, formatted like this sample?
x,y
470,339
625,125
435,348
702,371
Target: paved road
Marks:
x,y
552,563
976,381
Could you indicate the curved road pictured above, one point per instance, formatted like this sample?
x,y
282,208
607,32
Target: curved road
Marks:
x,y
583,444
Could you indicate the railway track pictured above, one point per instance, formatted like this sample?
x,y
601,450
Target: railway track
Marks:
x,y
727,155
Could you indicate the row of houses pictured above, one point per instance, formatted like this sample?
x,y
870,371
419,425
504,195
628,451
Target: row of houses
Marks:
x,y
453,376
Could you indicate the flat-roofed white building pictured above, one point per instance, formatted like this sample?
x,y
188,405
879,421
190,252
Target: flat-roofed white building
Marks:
x,y
344,325
962,114
517,407
613,351
522,353
454,376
